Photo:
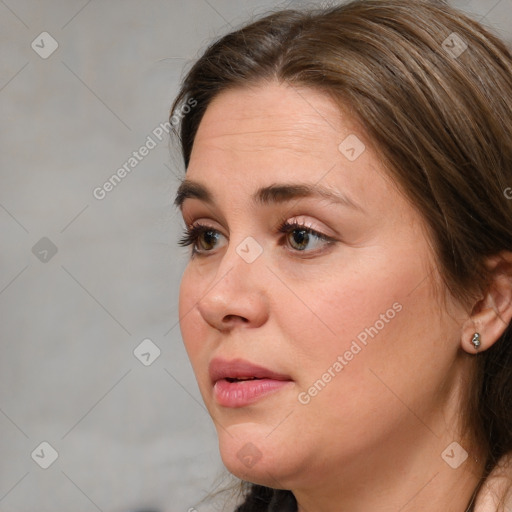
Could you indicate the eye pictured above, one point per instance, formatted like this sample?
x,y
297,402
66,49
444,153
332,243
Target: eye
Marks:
x,y
300,237
197,235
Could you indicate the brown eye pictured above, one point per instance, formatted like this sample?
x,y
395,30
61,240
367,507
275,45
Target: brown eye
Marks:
x,y
300,236
199,235
207,239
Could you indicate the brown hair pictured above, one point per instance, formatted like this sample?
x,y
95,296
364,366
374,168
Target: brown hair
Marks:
x,y
440,115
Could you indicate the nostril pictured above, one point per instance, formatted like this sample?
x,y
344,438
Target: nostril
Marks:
x,y
231,318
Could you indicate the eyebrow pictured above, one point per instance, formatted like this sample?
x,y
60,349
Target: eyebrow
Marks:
x,y
272,194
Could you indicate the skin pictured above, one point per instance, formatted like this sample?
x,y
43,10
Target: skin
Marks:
x,y
372,438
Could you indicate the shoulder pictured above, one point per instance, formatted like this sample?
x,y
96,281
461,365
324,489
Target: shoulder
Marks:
x,y
496,487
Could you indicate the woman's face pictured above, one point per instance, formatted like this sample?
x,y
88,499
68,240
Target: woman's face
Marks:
x,y
359,360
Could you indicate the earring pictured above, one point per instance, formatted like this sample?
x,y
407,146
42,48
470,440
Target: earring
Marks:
x,y
476,340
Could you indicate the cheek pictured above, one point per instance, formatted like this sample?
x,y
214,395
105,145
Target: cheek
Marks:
x,y
376,317
355,304
191,326
372,340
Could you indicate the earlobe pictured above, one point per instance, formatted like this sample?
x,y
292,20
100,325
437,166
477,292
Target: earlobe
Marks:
x,y
492,314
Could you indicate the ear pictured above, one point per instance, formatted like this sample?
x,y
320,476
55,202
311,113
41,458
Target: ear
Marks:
x,y
492,314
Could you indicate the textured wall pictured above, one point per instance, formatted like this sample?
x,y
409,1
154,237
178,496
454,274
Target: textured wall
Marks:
x,y
128,432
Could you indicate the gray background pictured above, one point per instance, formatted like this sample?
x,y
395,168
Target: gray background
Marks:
x,y
127,435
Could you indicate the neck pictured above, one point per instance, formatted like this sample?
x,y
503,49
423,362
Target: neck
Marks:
x,y
413,466
391,480
425,485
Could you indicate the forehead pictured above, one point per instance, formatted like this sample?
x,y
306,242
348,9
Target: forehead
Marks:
x,y
252,138
272,117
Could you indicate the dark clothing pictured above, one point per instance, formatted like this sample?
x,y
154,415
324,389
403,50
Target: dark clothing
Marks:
x,y
283,501
264,499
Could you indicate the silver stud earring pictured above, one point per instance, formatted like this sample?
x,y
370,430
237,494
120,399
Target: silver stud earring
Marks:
x,y
476,340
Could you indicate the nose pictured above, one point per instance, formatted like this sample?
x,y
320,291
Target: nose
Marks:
x,y
237,296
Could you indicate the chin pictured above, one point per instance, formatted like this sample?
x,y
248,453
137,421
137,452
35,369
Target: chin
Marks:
x,y
257,458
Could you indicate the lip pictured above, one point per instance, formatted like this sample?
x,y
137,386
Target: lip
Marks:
x,y
241,393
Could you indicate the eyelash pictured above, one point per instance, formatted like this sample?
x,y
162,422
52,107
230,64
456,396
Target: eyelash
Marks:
x,y
191,235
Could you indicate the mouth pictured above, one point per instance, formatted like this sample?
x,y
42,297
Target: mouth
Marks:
x,y
230,379
240,370
237,383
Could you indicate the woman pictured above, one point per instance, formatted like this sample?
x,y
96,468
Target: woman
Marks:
x,y
347,303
